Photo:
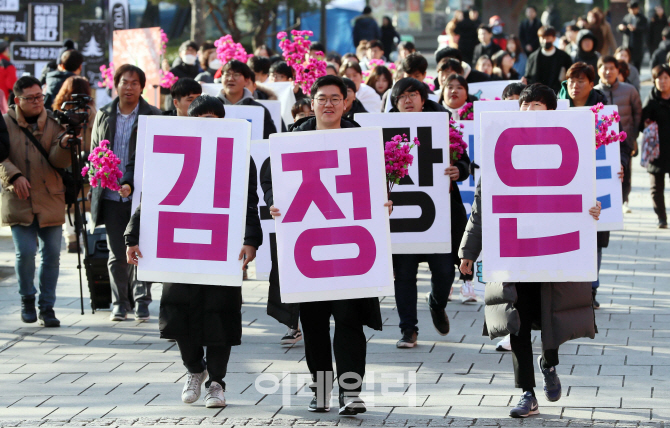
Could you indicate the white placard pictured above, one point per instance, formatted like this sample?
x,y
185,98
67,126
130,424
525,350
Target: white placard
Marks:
x,y
469,186
139,161
608,184
260,153
254,114
421,218
333,238
213,89
196,176
286,96
538,184
489,90
274,107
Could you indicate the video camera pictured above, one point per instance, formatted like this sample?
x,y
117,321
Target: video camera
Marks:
x,y
74,115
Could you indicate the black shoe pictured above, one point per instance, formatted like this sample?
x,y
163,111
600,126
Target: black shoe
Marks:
x,y
408,339
596,305
316,407
351,406
527,406
142,312
48,318
28,312
663,224
440,320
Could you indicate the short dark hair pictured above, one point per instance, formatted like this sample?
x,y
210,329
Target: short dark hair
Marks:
x,y
367,10
300,104
350,64
350,84
188,44
407,45
540,93
71,60
656,72
579,69
666,33
485,27
450,64
317,46
334,57
328,80
448,53
572,27
607,59
333,66
624,70
280,67
259,64
375,44
205,104
531,7
461,80
633,5
376,72
23,83
185,87
415,63
237,67
513,89
129,68
408,84
546,31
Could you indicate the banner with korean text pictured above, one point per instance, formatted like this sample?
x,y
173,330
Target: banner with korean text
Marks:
x,y
333,239
538,184
260,153
421,219
196,176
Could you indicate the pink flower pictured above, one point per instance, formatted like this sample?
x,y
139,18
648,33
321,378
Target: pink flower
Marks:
x,y
103,170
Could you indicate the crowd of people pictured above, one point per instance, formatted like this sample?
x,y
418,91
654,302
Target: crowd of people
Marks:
x,y
583,66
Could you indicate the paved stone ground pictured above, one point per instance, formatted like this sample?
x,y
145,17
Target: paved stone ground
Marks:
x,y
95,372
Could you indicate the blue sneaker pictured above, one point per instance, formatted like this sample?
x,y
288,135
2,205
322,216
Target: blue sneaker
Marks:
x,y
551,383
527,406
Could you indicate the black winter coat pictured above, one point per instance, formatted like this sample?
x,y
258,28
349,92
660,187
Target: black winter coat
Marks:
x,y
481,50
660,54
656,26
207,315
658,110
388,39
528,34
54,82
288,313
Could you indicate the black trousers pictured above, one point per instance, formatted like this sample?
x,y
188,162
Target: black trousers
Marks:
x,y
349,344
192,355
626,185
529,306
657,195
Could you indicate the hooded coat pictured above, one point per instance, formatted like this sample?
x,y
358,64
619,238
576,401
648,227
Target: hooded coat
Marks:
x,y
591,57
567,307
660,54
288,313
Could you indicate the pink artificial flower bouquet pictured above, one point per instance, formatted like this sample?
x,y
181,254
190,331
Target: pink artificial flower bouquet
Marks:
x,y
104,168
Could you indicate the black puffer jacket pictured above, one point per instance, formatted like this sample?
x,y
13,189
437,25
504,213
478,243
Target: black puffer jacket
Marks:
x,y
288,313
209,315
658,110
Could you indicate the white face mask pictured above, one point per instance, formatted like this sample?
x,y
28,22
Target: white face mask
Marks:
x,y
189,59
215,64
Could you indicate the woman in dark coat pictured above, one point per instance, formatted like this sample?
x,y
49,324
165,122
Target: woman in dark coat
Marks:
x,y
199,315
389,37
656,25
657,109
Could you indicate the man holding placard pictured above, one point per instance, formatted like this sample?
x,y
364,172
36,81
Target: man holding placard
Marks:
x,y
328,94
199,315
562,309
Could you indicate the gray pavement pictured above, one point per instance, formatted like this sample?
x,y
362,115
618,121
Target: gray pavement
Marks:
x,y
95,372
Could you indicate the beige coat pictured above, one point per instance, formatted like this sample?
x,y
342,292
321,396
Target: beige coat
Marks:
x,y
47,193
609,42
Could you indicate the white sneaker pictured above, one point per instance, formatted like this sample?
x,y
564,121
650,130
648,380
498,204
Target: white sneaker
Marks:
x,y
504,345
468,294
192,387
626,209
214,397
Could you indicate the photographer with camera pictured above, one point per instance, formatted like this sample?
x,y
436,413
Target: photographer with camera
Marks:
x,y
117,123
33,202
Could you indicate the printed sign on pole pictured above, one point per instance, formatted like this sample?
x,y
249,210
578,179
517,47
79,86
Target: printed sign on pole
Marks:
x,y
253,114
333,239
274,107
45,22
538,184
421,218
12,25
260,153
196,176
608,184
9,5
34,52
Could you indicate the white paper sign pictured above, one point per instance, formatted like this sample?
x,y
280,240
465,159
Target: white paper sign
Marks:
x,y
213,89
538,184
489,90
333,238
274,107
196,175
260,153
253,114
608,184
469,186
421,218
285,95
139,161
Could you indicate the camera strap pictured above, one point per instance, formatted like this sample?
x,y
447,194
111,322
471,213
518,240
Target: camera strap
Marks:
x,y
39,147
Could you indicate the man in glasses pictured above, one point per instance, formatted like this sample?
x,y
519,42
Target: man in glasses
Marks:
x,y
33,202
235,78
328,95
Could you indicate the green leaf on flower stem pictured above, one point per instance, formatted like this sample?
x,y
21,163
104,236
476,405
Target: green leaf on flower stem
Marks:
x,y
397,180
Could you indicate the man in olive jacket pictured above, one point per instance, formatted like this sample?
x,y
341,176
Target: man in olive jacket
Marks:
x,y
117,123
33,200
